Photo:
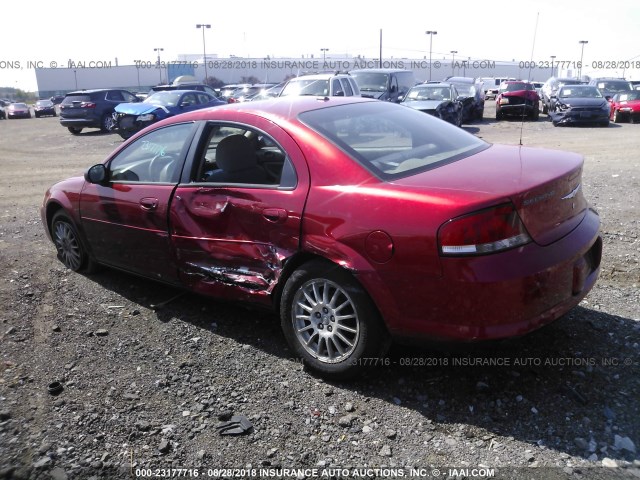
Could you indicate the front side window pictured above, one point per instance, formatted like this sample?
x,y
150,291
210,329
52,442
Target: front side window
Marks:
x,y
155,158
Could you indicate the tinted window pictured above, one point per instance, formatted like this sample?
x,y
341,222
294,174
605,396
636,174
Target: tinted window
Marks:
x,y
154,158
115,96
391,140
234,155
346,86
69,99
336,88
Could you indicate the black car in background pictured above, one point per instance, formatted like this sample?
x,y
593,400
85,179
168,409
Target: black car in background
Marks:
x,y
438,99
610,86
473,92
57,99
550,89
580,104
44,108
92,108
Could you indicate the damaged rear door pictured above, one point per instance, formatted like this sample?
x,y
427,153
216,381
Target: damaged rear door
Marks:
x,y
233,233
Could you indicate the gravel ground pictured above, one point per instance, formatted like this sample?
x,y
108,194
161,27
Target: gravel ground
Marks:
x,y
144,388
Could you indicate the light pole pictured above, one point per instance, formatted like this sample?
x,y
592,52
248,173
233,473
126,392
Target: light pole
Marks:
x,y
203,26
553,57
159,64
583,42
324,55
75,77
453,60
431,33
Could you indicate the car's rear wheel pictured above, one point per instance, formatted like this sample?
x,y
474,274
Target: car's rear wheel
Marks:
x,y
74,130
71,250
330,321
106,124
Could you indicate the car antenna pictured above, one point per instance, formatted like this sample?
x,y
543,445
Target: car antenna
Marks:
x,y
533,47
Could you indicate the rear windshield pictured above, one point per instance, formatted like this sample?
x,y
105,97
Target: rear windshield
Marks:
x,y
69,99
392,141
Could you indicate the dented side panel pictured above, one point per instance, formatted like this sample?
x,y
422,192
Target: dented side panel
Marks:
x,y
232,241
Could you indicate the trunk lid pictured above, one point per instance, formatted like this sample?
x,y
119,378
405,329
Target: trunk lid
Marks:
x,y
544,185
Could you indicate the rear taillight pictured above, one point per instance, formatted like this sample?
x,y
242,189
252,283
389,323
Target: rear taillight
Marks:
x,y
487,231
87,105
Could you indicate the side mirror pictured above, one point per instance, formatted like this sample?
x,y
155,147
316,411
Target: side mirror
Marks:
x,y
96,174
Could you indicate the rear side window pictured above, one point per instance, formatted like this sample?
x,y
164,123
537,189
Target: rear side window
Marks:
x,y
115,96
347,87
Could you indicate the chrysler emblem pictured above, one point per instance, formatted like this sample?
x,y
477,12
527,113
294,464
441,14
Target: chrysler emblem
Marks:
x,y
572,193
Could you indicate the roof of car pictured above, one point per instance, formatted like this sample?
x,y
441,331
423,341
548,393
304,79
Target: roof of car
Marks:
x,y
287,108
95,90
461,80
433,84
320,76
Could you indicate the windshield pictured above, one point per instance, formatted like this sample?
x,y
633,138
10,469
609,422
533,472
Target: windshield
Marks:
x,y
371,82
579,91
613,86
625,97
314,87
516,86
169,98
390,140
429,92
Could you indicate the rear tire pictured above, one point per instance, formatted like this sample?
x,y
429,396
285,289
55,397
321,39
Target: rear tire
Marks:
x,y
74,130
106,124
330,322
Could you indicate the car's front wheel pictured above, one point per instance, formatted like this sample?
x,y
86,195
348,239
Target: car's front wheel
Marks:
x,y
74,130
330,321
71,250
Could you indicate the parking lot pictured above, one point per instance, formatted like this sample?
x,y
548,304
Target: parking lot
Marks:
x,y
143,387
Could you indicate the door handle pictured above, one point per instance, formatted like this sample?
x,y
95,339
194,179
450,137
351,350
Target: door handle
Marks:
x,y
149,203
275,215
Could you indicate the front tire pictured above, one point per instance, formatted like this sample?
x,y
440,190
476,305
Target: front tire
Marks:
x,y
330,321
71,250
74,130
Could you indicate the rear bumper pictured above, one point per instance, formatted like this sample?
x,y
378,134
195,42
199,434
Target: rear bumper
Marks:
x,y
80,122
501,295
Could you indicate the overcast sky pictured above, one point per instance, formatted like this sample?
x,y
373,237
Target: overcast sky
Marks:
x,y
56,31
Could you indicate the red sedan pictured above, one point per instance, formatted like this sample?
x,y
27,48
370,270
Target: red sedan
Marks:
x,y
356,220
625,106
